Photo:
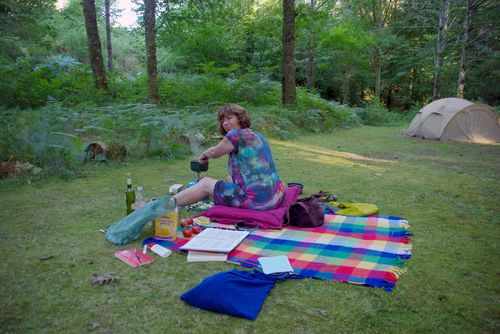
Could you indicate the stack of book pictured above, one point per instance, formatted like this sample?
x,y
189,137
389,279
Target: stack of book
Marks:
x,y
197,256
213,244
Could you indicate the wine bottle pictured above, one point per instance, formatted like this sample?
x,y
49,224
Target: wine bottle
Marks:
x,y
129,195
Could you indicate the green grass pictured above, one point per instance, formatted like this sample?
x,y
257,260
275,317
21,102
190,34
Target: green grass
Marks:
x,y
447,191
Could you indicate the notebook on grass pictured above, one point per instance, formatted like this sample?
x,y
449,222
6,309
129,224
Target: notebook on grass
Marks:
x,y
134,257
215,240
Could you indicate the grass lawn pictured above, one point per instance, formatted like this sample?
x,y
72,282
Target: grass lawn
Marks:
x,y
448,192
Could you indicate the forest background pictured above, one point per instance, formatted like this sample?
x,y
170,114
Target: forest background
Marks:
x,y
355,62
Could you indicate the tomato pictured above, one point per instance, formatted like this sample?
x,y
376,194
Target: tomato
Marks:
x,y
196,229
187,232
184,222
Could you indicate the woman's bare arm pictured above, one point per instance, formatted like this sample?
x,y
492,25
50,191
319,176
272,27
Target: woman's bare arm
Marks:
x,y
222,148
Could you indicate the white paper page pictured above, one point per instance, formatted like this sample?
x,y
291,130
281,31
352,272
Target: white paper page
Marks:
x,y
215,240
275,264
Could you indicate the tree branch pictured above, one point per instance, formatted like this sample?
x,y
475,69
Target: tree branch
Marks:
x,y
165,18
414,27
477,4
476,56
482,37
320,5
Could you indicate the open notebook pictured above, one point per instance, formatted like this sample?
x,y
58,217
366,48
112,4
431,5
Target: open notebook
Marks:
x,y
215,240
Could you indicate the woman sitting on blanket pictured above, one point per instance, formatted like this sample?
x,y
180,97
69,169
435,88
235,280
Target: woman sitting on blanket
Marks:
x,y
253,182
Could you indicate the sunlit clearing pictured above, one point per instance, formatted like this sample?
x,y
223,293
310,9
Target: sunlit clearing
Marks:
x,y
330,157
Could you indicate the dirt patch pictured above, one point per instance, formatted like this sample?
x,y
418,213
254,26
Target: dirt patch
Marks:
x,y
380,156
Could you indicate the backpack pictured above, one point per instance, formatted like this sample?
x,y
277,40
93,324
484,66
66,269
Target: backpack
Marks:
x,y
306,212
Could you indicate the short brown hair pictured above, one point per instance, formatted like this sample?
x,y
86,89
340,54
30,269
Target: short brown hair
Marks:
x,y
236,110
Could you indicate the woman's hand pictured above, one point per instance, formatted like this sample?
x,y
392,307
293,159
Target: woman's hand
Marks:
x,y
203,159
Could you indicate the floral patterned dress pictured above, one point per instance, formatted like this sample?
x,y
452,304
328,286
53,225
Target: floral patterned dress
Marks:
x,y
256,184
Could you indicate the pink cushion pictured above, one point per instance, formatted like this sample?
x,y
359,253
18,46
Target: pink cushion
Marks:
x,y
263,219
290,197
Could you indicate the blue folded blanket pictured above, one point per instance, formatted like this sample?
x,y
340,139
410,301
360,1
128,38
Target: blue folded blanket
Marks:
x,y
236,292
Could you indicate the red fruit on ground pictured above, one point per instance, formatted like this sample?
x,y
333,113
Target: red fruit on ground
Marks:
x,y
196,229
187,232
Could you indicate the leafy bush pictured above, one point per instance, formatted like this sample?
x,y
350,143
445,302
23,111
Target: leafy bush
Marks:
x,y
375,114
23,87
256,89
54,137
27,85
188,90
38,137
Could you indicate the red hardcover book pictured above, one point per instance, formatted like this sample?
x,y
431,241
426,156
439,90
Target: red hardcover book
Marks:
x,y
134,257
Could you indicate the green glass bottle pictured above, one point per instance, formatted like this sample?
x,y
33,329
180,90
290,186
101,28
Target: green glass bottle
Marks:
x,y
129,194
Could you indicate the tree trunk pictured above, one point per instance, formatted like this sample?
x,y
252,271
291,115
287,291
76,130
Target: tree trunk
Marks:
x,y
411,87
378,24
150,32
108,35
346,86
288,90
471,7
444,14
310,51
377,66
94,44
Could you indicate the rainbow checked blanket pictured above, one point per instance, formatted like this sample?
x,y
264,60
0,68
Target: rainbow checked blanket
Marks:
x,y
360,250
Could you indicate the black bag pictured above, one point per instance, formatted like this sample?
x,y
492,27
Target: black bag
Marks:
x,y
306,212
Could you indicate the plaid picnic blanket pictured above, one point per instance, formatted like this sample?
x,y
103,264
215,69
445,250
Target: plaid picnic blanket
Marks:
x,y
360,250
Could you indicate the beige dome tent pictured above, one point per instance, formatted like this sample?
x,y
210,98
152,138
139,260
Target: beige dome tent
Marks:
x,y
457,120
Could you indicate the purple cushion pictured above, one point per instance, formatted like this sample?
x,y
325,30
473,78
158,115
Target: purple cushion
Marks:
x,y
263,219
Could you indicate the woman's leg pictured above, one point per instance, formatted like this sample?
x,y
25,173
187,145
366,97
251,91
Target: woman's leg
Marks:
x,y
193,194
